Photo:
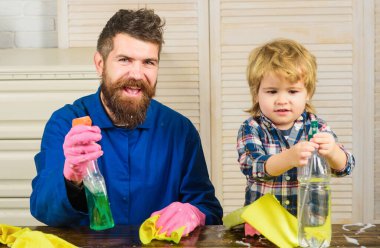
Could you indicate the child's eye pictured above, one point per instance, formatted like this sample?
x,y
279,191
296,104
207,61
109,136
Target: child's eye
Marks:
x,y
293,91
271,91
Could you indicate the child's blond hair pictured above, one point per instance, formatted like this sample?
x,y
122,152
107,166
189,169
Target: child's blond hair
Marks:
x,y
284,57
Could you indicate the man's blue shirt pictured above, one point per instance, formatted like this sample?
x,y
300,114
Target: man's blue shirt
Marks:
x,y
145,169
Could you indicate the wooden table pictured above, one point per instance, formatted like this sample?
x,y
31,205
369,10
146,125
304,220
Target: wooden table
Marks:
x,y
208,236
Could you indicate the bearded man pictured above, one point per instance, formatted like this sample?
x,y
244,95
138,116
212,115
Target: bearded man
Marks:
x,y
150,156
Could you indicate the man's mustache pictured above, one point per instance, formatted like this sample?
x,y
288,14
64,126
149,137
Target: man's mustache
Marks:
x,y
133,83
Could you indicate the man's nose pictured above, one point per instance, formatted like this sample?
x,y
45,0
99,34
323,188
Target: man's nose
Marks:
x,y
136,71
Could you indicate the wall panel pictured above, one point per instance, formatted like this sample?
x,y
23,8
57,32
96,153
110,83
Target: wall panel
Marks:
x,y
326,29
376,173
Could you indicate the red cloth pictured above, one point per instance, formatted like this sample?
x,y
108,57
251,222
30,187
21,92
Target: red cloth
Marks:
x,y
250,231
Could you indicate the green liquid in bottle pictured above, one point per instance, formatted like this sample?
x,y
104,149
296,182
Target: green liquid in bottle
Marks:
x,y
98,205
99,211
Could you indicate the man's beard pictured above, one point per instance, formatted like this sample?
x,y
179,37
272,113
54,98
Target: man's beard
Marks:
x,y
126,111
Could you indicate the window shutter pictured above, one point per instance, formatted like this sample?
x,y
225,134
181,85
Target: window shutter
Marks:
x,y
184,73
377,114
325,28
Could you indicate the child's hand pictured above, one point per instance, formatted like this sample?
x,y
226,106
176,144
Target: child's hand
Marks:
x,y
326,142
301,152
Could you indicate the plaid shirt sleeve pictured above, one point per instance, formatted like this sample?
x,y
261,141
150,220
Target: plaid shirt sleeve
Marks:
x,y
251,154
350,164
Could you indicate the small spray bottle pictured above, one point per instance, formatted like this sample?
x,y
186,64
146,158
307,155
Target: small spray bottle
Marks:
x,y
97,200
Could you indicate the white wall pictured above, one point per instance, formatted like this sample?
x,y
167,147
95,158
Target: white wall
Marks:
x,y
28,23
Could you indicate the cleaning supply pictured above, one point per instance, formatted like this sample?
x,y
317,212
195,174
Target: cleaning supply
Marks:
x,y
234,218
250,230
148,231
97,200
171,223
178,214
314,200
272,220
17,237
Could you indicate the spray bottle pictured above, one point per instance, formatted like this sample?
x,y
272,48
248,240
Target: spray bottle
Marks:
x,y
96,194
314,200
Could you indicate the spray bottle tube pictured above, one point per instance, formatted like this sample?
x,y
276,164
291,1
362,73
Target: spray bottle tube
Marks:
x,y
96,194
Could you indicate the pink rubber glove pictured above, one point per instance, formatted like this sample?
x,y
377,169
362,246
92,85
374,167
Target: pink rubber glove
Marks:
x,y
179,214
80,147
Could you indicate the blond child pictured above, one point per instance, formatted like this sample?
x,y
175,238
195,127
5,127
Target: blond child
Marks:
x,y
273,142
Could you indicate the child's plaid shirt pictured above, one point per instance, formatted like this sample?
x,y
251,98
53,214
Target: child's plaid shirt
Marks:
x,y
258,139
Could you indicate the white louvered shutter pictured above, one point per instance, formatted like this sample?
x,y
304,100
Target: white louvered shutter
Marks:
x,y
325,28
377,115
33,84
184,73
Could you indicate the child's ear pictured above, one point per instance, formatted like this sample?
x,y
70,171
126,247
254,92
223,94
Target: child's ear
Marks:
x,y
308,97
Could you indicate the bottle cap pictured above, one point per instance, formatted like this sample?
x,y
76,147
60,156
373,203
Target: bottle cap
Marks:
x,y
85,120
313,129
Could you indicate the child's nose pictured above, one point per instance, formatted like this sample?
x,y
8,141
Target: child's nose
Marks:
x,y
281,99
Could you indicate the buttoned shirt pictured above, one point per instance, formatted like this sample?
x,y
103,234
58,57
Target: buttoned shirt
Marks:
x,y
145,168
258,139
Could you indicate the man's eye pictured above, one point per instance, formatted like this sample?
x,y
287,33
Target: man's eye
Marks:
x,y
150,62
123,59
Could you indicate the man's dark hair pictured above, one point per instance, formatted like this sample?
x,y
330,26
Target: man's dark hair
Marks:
x,y
142,24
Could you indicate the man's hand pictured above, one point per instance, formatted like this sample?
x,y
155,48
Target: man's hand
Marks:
x,y
80,147
177,215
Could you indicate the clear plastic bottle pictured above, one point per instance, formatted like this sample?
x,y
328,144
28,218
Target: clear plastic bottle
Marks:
x,y
96,193
314,200
97,200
